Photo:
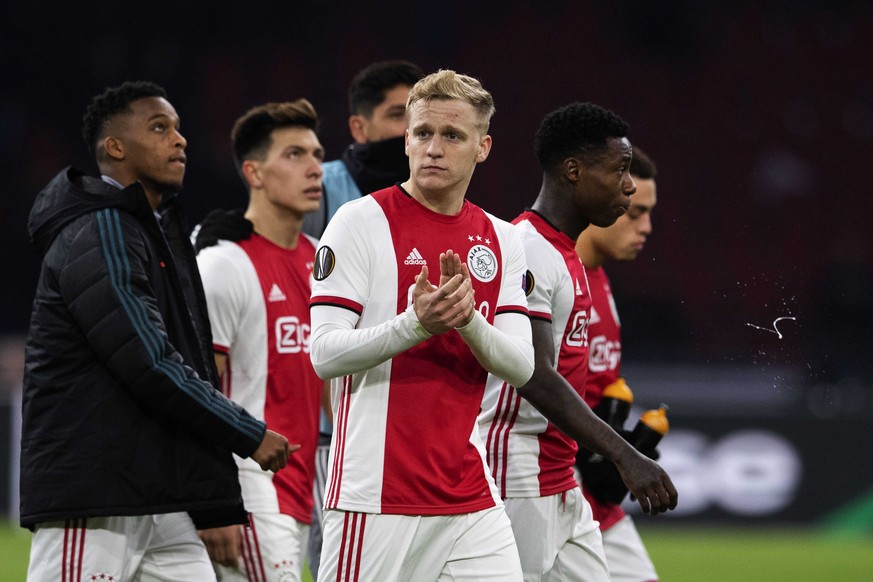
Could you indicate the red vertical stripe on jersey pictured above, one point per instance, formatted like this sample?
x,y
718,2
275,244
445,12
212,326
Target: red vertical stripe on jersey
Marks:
x,y
497,445
339,435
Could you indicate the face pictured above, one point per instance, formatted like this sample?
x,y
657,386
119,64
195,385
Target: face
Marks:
x,y
444,144
152,149
625,239
388,119
604,188
290,174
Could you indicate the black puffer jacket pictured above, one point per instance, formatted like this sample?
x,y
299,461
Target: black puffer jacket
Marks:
x,y
120,413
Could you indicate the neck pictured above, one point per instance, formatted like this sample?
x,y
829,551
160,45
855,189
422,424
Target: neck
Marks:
x,y
557,207
448,202
279,226
586,251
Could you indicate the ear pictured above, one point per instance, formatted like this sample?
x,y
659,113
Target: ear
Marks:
x,y
114,148
484,149
406,142
251,173
572,169
357,125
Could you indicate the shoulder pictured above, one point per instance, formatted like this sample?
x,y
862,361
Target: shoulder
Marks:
x,y
223,257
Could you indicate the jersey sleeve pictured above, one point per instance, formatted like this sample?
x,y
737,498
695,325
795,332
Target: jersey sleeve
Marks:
x,y
541,280
225,293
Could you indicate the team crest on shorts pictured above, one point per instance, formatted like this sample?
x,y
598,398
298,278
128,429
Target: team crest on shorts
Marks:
x,y
482,263
325,261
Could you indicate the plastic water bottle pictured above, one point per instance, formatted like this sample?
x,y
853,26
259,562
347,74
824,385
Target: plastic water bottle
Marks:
x,y
615,404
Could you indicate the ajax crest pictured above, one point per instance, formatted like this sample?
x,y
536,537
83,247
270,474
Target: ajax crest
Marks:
x,y
482,263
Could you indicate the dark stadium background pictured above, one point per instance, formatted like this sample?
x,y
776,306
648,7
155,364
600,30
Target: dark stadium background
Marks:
x,y
758,114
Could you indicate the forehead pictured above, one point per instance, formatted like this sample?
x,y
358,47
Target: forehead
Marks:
x,y
148,107
645,194
617,148
442,112
297,135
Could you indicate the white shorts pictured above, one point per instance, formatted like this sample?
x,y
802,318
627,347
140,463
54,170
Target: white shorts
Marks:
x,y
371,547
558,538
142,548
626,555
273,548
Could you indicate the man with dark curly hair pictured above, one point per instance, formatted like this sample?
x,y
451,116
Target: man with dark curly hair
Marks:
x,y
126,442
531,432
625,553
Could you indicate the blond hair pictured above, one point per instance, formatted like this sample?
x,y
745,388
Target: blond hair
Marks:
x,y
447,84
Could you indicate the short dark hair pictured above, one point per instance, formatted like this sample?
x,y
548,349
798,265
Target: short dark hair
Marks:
x,y
251,134
642,166
578,129
111,102
367,90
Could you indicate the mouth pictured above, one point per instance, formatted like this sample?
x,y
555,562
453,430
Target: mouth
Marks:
x,y
313,193
178,160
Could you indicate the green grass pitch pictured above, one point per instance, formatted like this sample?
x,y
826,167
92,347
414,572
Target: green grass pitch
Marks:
x,y
681,554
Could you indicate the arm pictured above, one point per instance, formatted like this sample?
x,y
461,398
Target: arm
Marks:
x,y
339,349
552,396
106,285
271,454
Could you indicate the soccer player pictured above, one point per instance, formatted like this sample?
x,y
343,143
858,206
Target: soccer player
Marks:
x,y
257,290
126,442
376,160
585,156
396,324
627,557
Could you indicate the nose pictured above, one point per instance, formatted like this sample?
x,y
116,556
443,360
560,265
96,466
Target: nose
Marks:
x,y
180,141
315,168
435,147
644,224
629,186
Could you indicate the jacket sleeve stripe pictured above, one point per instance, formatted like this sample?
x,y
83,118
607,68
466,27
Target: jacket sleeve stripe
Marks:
x,y
112,242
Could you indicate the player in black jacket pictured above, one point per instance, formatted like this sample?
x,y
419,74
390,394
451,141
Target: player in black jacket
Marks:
x,y
126,443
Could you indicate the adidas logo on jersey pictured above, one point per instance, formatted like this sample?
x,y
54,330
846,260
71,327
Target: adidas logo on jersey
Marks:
x,y
578,288
414,258
276,294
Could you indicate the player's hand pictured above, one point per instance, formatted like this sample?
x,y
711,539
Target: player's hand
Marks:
x,y
223,544
648,482
273,452
446,307
450,265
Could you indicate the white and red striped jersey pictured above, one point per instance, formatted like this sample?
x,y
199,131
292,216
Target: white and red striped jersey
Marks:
x,y
258,299
405,403
528,456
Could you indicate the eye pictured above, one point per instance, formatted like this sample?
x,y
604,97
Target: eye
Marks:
x,y
159,128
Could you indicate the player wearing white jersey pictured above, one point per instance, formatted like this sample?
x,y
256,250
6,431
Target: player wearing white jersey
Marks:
x,y
257,290
409,496
585,157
